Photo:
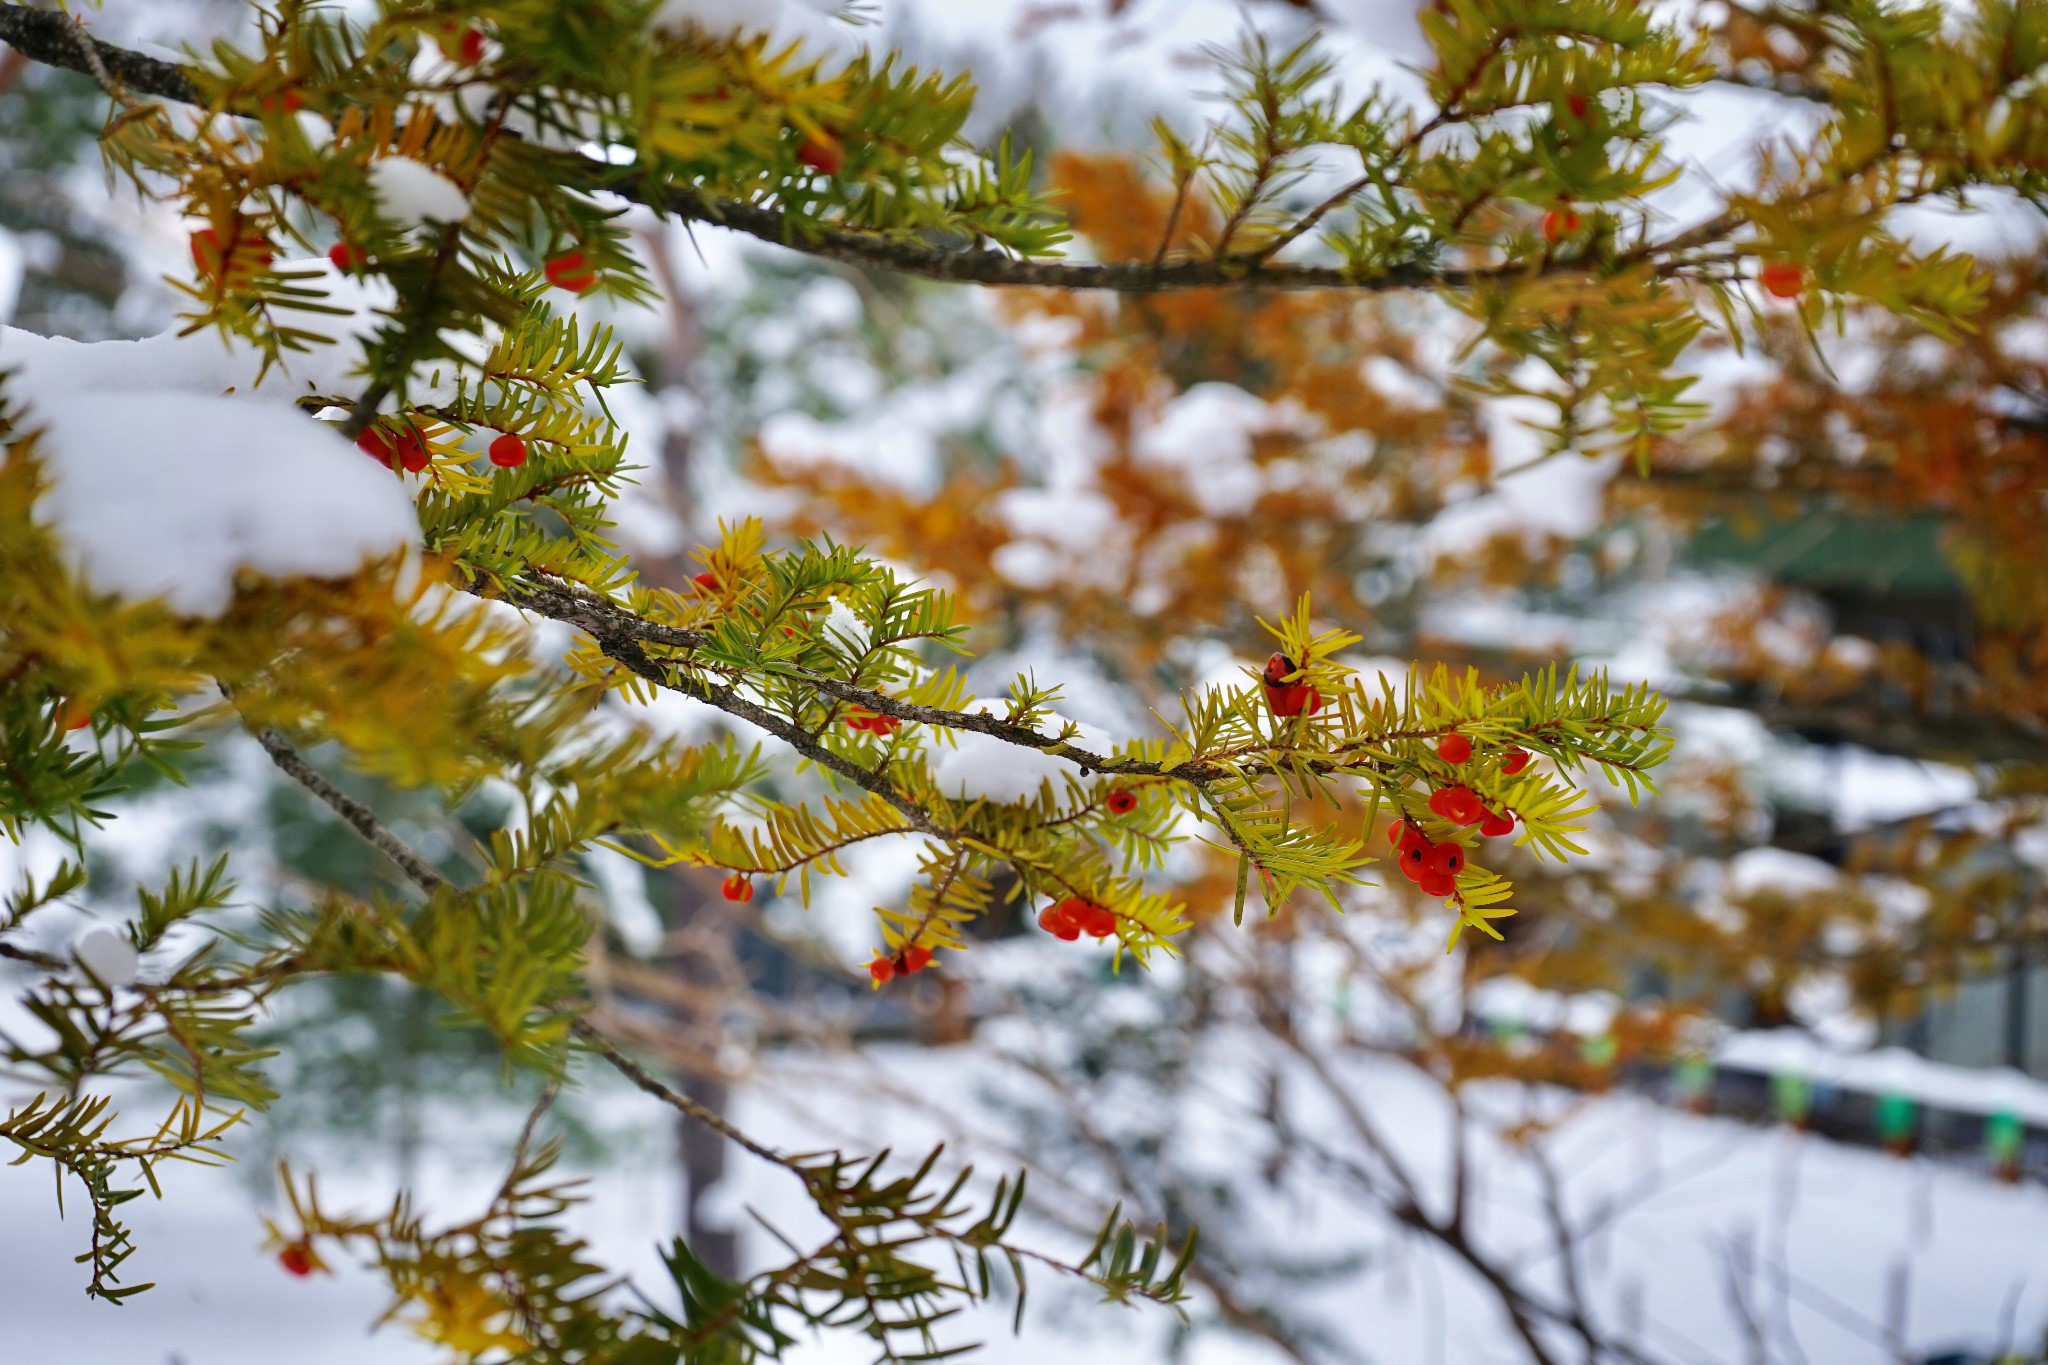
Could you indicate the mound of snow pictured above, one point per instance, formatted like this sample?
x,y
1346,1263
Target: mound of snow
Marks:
x,y
170,494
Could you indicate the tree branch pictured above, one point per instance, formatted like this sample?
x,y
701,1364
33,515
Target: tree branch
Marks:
x,y
358,816
55,39
50,38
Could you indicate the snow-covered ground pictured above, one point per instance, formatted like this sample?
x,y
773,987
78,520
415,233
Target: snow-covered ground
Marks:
x,y
1830,1244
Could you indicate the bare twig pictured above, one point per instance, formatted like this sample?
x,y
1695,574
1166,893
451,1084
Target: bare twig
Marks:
x,y
358,816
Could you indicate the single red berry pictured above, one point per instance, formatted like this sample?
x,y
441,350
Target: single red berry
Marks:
x,y
413,454
882,970
1454,748
376,443
293,101
1515,761
508,451
1459,805
1560,223
1448,859
1437,884
737,887
823,156
1415,859
1578,104
1122,801
1783,279
1497,823
207,253
707,580
1397,833
297,1259
916,958
471,50
348,257
1095,920
571,271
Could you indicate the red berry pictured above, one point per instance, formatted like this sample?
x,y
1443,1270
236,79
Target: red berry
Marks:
x,y
1397,833
1447,859
882,970
1516,760
1459,805
297,1259
1560,223
1783,279
1454,748
571,271
348,257
1289,698
1497,823
823,156
707,581
1095,921
1055,920
1437,884
406,447
737,887
207,253
508,451
1578,104
916,958
293,101
472,49
1415,858
1122,801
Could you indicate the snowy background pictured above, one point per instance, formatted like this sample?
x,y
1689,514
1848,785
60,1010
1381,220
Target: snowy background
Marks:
x,y
1703,1235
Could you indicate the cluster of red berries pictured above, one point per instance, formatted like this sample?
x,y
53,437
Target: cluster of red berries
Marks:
x,y
1122,801
298,1259
911,959
572,271
1289,698
403,445
1074,917
290,102
1433,866
738,887
859,718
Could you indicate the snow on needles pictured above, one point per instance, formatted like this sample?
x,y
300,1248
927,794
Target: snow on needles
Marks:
x,y
410,193
171,470
170,494
811,22
981,767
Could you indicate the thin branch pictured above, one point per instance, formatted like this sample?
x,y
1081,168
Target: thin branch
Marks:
x,y
358,816
33,958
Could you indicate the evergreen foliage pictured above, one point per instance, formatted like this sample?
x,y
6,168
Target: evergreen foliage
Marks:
x,y
273,148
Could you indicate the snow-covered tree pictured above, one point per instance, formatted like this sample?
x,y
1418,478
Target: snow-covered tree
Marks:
x,y
190,547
